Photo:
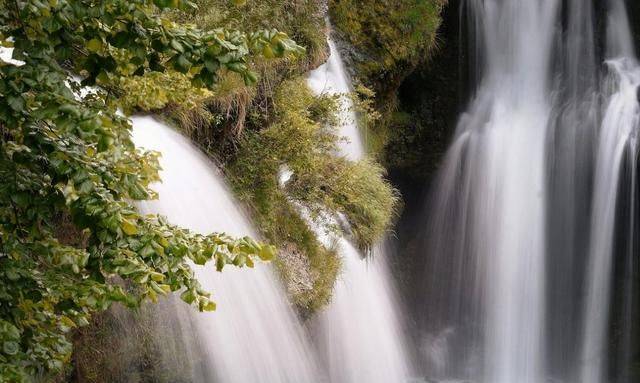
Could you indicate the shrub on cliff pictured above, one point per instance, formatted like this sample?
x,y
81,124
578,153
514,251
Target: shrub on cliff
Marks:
x,y
303,139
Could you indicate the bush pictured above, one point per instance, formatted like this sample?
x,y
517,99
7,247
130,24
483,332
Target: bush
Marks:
x,y
302,138
355,190
391,35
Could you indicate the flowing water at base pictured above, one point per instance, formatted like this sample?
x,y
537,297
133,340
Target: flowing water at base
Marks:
x,y
253,336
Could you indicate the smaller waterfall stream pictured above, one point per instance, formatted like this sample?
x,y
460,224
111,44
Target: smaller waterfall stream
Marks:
x,y
619,128
332,78
359,333
253,336
618,134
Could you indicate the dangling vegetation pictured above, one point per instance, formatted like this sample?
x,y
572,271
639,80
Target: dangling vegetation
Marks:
x,y
69,236
303,140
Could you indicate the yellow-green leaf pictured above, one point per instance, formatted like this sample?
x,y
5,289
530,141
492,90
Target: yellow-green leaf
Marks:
x,y
267,252
94,45
129,227
158,277
207,305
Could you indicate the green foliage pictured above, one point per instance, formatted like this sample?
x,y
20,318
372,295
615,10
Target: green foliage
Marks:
x,y
155,90
218,120
369,117
303,20
391,34
309,279
70,158
295,138
355,189
389,39
303,139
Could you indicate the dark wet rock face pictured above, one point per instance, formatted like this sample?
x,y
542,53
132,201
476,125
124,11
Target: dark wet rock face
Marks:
x,y
634,16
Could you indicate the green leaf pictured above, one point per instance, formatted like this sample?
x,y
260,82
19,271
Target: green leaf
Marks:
x,y
10,348
212,65
12,275
160,289
158,277
267,52
67,322
250,78
220,262
175,44
16,103
183,64
207,305
267,252
188,296
128,227
94,45
102,78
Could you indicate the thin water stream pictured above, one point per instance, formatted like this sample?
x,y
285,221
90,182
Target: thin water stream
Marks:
x,y
360,334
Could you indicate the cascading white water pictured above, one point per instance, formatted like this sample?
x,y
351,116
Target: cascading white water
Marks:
x,y
359,334
253,336
619,41
620,123
532,240
571,140
488,229
509,197
332,78
618,131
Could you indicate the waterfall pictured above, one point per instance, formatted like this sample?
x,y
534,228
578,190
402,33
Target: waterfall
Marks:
x,y
618,134
531,240
619,41
332,78
618,128
359,334
571,142
488,228
253,336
